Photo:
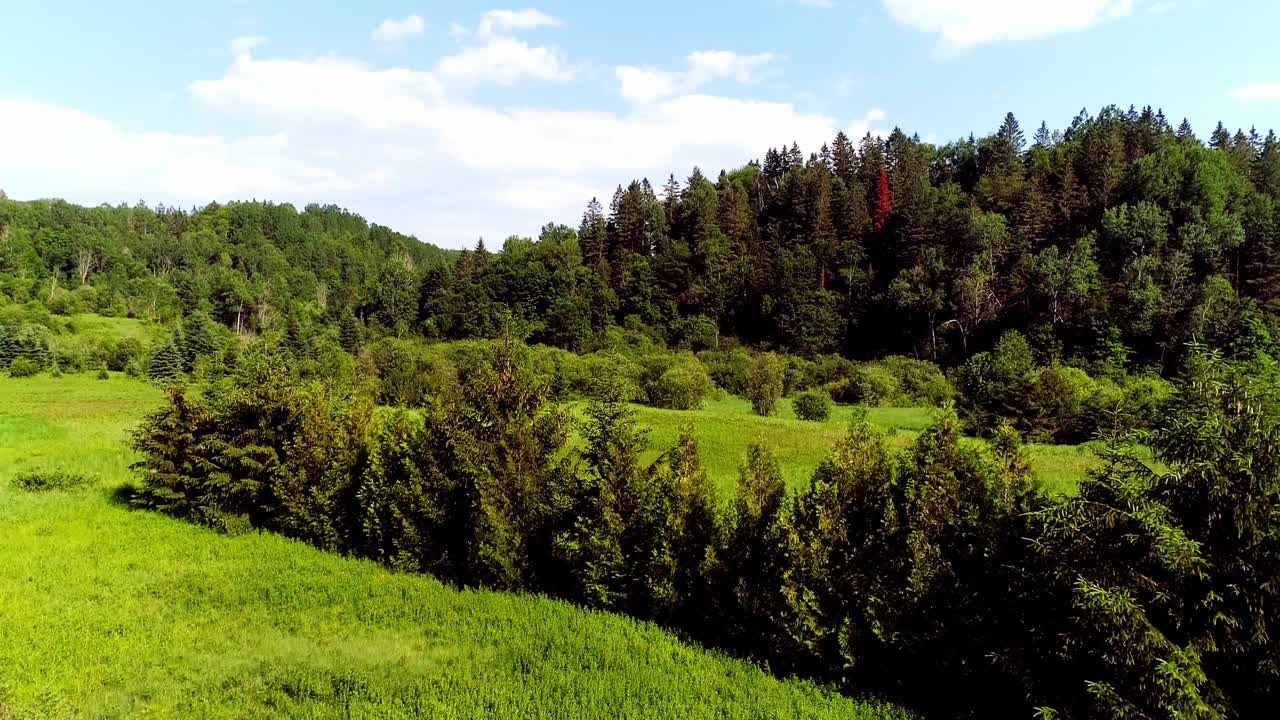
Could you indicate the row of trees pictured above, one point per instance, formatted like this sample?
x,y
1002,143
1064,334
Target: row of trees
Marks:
x,y
1118,231
935,575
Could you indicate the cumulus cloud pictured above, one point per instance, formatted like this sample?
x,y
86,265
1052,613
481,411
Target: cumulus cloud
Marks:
x,y
1257,92
493,55
393,33
646,84
408,147
505,61
963,25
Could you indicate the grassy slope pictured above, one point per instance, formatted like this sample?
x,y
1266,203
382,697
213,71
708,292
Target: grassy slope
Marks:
x,y
108,612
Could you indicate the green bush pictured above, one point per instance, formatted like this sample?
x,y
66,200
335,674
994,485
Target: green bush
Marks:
x,y
103,374
23,367
682,387
870,384
812,405
766,382
921,382
607,369
47,480
728,368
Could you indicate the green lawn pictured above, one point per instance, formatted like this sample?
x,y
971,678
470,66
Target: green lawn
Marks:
x,y
107,612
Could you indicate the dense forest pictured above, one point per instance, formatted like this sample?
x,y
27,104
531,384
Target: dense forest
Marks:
x,y
1119,237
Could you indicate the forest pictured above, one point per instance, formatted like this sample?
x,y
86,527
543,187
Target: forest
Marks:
x,y
466,414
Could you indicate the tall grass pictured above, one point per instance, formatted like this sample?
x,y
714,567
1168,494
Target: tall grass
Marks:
x,y
110,612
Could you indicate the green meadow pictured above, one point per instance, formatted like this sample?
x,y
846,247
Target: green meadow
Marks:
x,y
726,429
109,612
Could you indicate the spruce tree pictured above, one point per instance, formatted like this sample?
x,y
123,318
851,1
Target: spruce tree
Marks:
x,y
349,332
167,363
884,202
197,339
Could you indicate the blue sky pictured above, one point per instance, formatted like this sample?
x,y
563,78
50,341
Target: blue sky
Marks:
x,y
455,120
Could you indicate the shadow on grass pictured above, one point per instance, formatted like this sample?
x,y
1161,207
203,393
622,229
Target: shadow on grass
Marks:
x,y
124,495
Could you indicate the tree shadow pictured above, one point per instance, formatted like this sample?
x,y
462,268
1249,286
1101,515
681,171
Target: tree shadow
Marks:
x,y
124,495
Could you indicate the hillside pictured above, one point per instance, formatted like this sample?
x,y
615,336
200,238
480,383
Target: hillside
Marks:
x,y
111,612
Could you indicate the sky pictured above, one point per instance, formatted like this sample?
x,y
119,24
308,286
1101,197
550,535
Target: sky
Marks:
x,y
453,121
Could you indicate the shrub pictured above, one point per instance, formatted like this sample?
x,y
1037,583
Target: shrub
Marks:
x,y
813,405
1056,402
728,369
608,369
765,383
48,480
870,384
921,382
103,374
409,375
23,367
682,387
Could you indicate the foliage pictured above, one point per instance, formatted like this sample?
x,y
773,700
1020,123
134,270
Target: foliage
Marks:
x,y
765,383
682,384
46,480
812,405
23,367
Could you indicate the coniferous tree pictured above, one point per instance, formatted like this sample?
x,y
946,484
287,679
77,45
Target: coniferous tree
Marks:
x,y
167,363
884,202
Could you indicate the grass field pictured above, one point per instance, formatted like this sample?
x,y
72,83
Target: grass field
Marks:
x,y
727,428
107,612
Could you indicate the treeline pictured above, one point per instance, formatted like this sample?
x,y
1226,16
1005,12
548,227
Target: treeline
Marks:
x,y
936,575
1118,237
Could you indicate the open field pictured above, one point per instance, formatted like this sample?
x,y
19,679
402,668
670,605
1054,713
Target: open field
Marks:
x,y
727,428
110,612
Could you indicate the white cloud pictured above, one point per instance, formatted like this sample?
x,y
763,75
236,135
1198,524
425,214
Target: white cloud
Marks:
x,y
393,33
497,57
963,25
1257,92
816,3
503,22
402,146
504,61
704,66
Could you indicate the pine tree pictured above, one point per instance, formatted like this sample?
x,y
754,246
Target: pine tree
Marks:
x,y
293,340
1043,138
349,332
1184,131
167,363
593,238
1220,139
844,159
197,339
884,202
1010,141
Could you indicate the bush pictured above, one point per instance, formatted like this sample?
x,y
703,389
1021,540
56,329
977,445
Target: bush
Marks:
x,y
728,368
870,384
607,369
47,480
409,375
765,383
103,374
23,367
682,387
812,405
921,382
